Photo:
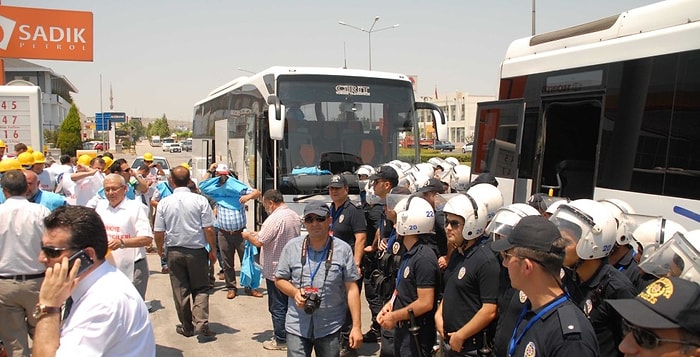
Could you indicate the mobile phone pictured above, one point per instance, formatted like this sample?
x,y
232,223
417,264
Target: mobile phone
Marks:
x,y
85,261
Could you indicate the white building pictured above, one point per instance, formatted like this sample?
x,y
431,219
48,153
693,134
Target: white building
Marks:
x,y
460,110
55,89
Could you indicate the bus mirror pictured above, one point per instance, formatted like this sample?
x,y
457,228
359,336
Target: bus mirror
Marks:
x,y
441,125
276,124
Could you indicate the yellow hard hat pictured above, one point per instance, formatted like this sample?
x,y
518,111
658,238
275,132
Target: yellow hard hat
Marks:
x,y
30,149
185,165
148,157
9,164
39,157
84,160
26,159
2,144
108,162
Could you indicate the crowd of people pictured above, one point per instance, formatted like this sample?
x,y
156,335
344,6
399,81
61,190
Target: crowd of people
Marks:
x,y
445,267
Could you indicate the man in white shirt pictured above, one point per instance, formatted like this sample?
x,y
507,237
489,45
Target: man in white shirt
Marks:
x,y
21,274
128,231
104,315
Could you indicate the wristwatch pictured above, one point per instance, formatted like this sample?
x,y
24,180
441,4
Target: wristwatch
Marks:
x,y
121,244
42,310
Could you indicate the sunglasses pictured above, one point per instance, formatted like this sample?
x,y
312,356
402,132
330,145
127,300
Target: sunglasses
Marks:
x,y
309,219
453,223
647,339
507,256
54,252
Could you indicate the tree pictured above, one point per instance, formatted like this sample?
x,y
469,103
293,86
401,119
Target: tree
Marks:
x,y
159,127
50,136
69,139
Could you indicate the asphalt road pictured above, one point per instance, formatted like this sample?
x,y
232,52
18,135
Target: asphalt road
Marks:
x,y
241,324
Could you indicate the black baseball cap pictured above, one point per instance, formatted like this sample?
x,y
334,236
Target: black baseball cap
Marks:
x,y
388,173
337,181
316,207
531,232
484,177
432,185
666,303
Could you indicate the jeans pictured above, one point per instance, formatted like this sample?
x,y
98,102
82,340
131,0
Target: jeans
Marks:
x,y
327,346
277,305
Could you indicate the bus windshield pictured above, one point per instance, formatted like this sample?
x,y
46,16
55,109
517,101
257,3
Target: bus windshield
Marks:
x,y
337,123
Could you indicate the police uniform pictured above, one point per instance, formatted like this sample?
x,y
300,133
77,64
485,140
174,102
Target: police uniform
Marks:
x,y
509,309
606,283
561,329
348,219
473,284
628,266
418,269
373,215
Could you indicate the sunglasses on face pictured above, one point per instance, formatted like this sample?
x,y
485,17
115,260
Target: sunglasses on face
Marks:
x,y
53,252
309,219
647,339
453,223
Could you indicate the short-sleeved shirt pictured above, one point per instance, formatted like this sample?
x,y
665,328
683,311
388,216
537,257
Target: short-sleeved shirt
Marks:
x,y
418,270
330,315
348,220
373,215
279,228
474,283
182,216
562,331
628,266
606,283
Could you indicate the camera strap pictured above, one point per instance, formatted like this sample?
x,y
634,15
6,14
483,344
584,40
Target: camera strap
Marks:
x,y
327,252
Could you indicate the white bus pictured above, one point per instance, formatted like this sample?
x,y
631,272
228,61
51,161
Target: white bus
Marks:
x,y
607,109
290,128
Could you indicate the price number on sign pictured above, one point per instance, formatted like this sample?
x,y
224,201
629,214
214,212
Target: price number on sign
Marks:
x,y
12,105
11,134
9,120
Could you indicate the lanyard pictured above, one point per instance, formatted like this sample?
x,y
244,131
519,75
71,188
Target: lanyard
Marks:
x,y
514,341
318,265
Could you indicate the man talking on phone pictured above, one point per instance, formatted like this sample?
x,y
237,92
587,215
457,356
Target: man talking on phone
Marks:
x,y
86,307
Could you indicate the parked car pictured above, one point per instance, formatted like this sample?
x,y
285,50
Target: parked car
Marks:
x,y
175,147
467,148
187,145
156,160
443,145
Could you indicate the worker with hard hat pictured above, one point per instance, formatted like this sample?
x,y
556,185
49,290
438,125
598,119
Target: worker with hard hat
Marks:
x,y
44,176
8,164
155,168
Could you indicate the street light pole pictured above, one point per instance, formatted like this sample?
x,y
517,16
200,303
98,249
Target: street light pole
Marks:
x,y
369,34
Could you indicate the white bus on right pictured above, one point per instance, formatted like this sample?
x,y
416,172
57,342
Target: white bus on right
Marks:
x,y
607,109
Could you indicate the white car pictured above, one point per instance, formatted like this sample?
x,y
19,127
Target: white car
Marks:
x,y
165,143
136,164
175,147
467,148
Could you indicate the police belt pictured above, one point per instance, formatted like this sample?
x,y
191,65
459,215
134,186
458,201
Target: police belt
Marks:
x,y
407,323
472,343
23,277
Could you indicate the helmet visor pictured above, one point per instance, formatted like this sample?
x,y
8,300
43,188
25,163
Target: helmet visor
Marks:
x,y
630,222
572,222
677,257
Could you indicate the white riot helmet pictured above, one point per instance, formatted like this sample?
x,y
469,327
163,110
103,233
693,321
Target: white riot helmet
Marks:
x,y
618,208
473,211
371,197
651,234
452,160
553,207
508,216
490,195
460,178
414,215
591,225
416,180
679,257
435,161
426,169
366,170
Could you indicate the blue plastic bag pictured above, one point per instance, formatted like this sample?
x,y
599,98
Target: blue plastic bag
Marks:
x,y
250,272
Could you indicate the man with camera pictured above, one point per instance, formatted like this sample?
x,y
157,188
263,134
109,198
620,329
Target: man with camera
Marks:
x,y
318,274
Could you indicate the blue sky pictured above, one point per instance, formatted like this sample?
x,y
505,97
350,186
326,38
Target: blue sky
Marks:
x,y
161,57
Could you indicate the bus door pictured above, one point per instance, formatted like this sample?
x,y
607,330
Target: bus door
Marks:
x,y
569,135
499,129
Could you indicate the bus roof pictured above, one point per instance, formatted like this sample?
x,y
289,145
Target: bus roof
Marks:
x,y
665,27
257,79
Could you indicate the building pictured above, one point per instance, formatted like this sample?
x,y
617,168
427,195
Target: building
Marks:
x,y
460,110
55,88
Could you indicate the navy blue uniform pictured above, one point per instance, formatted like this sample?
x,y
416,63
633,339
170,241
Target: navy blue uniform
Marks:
x,y
418,270
606,283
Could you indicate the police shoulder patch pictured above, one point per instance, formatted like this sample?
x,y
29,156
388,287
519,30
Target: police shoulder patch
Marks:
x,y
530,350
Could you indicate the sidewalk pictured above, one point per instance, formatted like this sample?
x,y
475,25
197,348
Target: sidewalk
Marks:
x,y
241,324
